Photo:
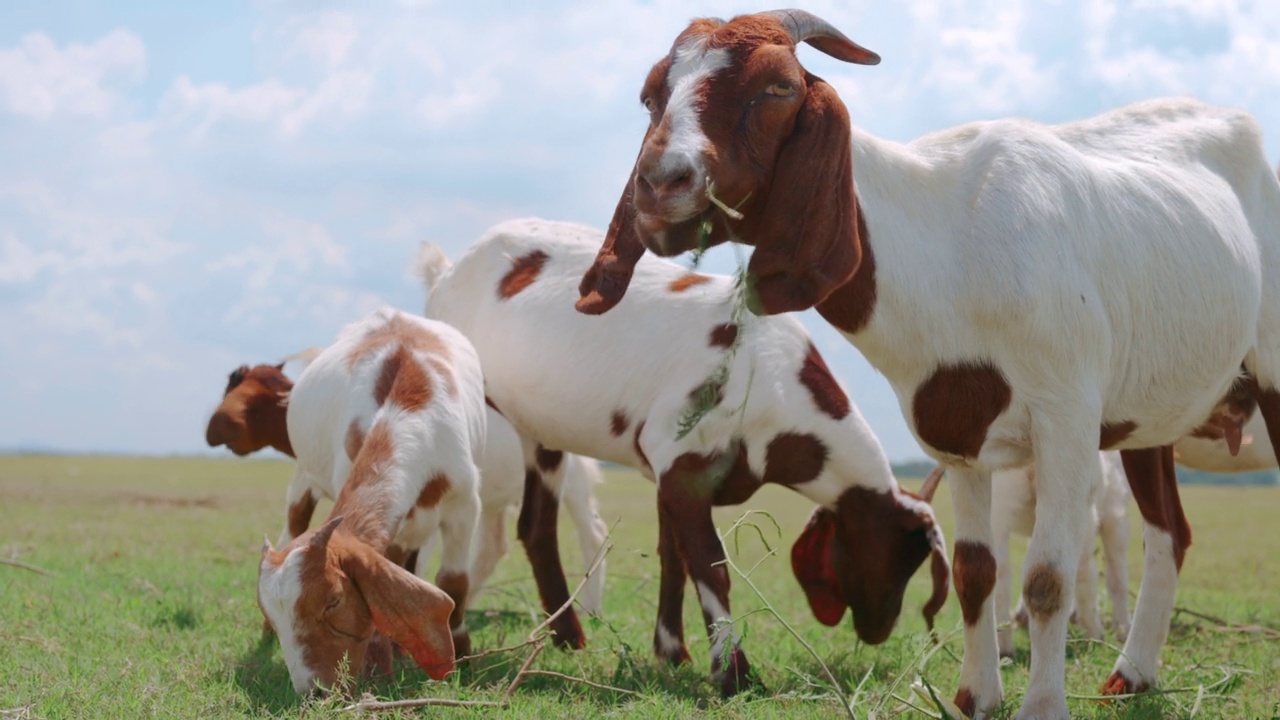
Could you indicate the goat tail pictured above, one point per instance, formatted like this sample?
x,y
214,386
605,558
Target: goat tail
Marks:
x,y
430,265
306,357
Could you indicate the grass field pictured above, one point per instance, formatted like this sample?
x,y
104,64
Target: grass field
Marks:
x,y
150,611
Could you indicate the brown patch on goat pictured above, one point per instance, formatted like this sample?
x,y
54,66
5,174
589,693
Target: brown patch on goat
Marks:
x,y
548,460
822,385
724,335
686,281
457,585
956,405
399,330
364,505
403,381
618,423
794,459
536,530
1112,434
375,454
975,576
353,441
1043,592
1154,485
299,514
966,702
524,270
432,492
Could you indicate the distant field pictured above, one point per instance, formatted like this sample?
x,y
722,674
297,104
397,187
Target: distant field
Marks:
x,y
151,611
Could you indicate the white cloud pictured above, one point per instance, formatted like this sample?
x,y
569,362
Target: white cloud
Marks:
x,y
38,79
19,263
288,110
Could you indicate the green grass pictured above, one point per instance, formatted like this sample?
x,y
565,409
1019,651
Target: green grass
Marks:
x,y
151,612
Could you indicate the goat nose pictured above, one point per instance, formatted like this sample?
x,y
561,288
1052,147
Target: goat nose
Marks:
x,y
666,179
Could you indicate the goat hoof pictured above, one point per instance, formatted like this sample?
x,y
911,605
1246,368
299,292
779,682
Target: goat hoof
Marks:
x,y
675,656
1118,684
736,677
568,633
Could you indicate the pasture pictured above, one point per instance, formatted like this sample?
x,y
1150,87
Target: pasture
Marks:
x,y
149,611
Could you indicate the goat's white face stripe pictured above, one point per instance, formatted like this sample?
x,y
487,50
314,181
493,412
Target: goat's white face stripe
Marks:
x,y
280,589
693,64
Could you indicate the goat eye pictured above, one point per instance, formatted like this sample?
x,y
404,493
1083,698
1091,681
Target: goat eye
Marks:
x,y
333,603
650,105
781,89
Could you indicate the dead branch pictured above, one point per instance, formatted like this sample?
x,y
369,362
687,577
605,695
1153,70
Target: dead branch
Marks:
x,y
1227,625
584,681
370,703
27,566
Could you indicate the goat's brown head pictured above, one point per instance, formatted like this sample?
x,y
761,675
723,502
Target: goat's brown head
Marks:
x,y
325,594
734,115
861,554
252,413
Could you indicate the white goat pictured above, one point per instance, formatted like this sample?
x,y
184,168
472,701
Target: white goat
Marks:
x,y
1013,508
395,409
631,391
1031,292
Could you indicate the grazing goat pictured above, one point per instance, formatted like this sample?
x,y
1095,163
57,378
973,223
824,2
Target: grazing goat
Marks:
x,y
631,392
395,408
252,417
1032,293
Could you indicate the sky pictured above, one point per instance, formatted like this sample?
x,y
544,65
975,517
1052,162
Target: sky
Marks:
x,y
185,187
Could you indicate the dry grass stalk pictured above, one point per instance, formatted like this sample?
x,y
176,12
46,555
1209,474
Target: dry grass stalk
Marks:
x,y
27,566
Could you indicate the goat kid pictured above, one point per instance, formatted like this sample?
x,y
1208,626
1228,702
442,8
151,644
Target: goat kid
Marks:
x,y
988,272
621,389
396,409
251,417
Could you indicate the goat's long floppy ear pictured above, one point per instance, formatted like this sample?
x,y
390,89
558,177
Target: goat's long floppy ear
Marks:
x,y
606,281
813,563
939,568
405,608
806,230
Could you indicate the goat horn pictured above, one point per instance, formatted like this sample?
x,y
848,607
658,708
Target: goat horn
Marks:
x,y
931,483
806,27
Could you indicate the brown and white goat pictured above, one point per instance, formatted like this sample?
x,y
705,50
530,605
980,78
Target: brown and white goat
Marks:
x,y
251,417
622,389
396,407
1031,292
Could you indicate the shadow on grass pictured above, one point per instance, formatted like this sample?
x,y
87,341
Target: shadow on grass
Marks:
x,y
264,679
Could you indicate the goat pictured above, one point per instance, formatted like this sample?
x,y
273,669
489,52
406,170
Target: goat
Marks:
x,y
251,417
1013,506
1032,293
395,408
623,392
